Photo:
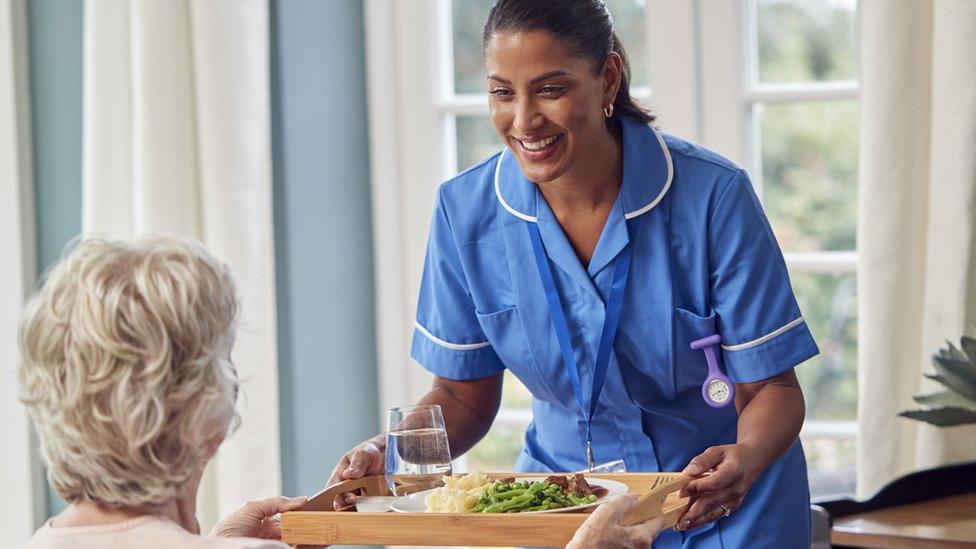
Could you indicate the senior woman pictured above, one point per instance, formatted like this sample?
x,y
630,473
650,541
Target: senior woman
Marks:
x,y
592,257
126,370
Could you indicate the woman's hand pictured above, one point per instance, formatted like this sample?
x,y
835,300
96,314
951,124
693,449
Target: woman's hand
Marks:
x,y
258,519
722,477
602,530
366,459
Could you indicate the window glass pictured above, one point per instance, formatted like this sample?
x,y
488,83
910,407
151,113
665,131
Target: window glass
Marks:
x,y
805,40
809,173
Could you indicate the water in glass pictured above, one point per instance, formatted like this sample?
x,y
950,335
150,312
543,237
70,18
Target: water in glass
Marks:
x,y
417,451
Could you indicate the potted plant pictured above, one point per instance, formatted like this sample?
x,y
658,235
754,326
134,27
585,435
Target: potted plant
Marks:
x,y
955,370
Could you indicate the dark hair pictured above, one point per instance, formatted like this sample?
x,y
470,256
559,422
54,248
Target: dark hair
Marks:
x,y
586,26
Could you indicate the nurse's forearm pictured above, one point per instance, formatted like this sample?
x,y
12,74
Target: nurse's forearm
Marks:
x,y
770,416
469,408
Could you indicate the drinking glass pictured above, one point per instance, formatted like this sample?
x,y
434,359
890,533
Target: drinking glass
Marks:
x,y
417,453
615,466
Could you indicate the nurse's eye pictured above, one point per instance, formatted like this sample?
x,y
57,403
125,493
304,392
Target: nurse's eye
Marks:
x,y
501,93
552,90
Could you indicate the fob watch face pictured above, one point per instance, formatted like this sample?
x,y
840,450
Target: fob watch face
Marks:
x,y
718,391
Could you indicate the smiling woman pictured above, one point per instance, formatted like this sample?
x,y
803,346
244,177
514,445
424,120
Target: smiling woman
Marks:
x,y
613,248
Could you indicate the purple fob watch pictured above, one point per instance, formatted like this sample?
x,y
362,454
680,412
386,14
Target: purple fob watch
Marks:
x,y
718,390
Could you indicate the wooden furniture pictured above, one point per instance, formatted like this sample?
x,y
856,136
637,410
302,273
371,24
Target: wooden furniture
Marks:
x,y
317,524
933,508
948,522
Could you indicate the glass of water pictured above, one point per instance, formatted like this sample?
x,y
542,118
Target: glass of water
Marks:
x,y
417,453
615,466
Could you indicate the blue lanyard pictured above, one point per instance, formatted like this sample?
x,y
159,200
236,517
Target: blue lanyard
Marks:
x,y
621,271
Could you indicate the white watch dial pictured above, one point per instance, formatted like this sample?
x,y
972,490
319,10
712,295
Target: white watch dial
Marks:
x,y
718,391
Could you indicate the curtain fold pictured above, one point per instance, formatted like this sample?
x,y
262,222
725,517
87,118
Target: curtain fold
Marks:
x,y
177,139
22,505
916,225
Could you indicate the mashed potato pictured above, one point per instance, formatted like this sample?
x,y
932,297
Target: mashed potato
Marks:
x,y
458,494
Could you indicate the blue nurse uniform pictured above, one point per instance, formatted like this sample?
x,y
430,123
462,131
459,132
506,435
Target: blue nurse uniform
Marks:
x,y
704,261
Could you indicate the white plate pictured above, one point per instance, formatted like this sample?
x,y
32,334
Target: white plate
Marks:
x,y
414,503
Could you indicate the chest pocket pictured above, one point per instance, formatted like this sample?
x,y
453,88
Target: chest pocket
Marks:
x,y
690,366
486,269
508,337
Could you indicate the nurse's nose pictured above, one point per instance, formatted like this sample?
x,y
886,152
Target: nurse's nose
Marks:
x,y
527,116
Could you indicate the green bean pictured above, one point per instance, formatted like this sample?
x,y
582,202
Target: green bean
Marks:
x,y
514,503
523,496
510,494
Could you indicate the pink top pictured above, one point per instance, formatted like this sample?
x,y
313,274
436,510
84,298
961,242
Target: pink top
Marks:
x,y
145,532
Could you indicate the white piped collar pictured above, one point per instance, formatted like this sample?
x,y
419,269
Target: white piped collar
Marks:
x,y
647,174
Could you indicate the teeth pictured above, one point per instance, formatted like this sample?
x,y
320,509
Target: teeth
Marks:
x,y
539,145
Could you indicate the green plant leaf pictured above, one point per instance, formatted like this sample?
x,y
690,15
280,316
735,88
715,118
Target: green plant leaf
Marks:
x,y
946,416
954,353
946,398
969,346
956,375
937,378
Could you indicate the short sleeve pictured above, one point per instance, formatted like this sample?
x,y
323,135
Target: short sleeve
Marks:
x,y
763,332
447,339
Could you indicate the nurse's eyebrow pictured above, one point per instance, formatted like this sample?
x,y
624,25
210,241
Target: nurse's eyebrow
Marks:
x,y
536,80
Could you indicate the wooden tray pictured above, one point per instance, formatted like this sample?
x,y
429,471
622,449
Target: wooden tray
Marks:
x,y
318,524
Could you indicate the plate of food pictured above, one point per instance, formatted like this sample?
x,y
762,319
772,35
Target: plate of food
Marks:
x,y
476,493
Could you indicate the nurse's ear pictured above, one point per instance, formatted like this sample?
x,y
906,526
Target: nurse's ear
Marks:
x,y
613,75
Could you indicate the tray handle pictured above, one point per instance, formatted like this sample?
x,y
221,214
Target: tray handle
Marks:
x,y
651,504
367,486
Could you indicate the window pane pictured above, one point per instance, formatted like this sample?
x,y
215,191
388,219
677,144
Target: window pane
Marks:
x,y
499,449
829,381
468,19
830,466
628,22
501,446
809,168
515,396
476,140
467,25
805,40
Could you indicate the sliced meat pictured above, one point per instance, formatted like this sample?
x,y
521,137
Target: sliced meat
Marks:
x,y
600,491
579,486
560,480
507,480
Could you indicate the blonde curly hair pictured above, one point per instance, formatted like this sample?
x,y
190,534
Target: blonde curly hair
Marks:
x,y
125,368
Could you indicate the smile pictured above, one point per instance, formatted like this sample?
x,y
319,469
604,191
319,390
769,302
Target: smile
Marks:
x,y
539,149
540,144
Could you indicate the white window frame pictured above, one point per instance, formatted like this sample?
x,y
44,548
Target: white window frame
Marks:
x,y
705,89
698,86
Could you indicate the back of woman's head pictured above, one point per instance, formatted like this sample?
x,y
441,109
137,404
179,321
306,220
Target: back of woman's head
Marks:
x,y
584,26
125,368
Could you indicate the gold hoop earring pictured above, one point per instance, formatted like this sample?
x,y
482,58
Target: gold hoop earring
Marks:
x,y
608,112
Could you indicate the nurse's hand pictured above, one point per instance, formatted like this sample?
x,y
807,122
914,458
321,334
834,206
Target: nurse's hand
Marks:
x,y
366,459
602,530
722,477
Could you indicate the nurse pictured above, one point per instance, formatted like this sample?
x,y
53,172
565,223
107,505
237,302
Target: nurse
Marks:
x,y
586,257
